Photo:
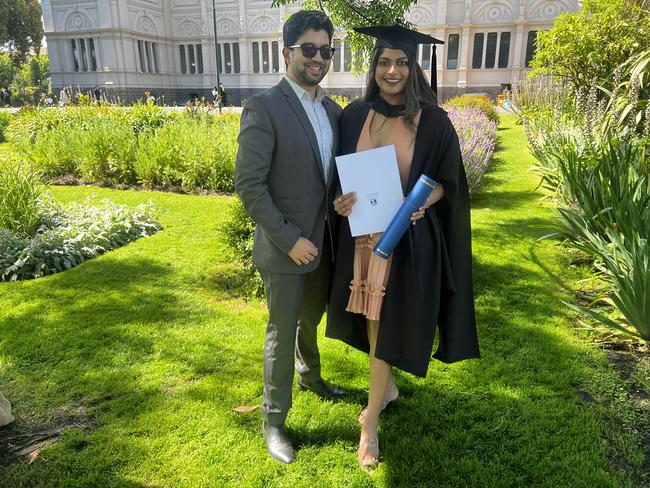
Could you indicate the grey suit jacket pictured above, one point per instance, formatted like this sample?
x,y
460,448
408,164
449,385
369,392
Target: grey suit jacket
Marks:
x,y
279,177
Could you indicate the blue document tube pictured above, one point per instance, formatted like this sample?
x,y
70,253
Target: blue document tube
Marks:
x,y
397,227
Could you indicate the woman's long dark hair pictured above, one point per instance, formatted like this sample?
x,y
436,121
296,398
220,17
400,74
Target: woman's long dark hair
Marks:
x,y
417,93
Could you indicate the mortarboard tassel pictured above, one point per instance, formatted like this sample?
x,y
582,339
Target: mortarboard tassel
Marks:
x,y
434,71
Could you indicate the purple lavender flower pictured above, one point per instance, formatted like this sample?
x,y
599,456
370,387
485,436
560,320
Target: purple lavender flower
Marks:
x,y
478,137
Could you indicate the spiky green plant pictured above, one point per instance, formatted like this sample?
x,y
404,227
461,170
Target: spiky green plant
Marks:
x,y
22,198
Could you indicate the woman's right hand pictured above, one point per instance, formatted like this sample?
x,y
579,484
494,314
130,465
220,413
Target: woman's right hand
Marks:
x,y
343,203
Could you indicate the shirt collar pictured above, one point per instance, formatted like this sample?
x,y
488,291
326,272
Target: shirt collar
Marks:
x,y
301,93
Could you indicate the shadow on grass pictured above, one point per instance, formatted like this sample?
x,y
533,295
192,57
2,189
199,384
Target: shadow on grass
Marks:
x,y
512,418
83,343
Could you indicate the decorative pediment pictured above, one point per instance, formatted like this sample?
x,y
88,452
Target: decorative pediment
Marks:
x,y
188,28
263,24
421,15
227,27
546,11
494,13
144,23
78,21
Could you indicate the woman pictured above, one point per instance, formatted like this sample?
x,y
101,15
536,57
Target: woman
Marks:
x,y
390,308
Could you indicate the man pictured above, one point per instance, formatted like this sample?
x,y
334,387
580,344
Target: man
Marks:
x,y
283,176
223,95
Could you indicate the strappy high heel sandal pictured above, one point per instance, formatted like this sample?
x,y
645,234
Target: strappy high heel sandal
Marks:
x,y
384,404
369,464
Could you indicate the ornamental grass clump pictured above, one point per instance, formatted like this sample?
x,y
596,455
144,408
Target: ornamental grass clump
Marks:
x,y
477,135
607,215
601,182
190,153
23,199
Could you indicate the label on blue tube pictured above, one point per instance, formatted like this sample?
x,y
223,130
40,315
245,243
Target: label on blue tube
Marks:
x,y
397,227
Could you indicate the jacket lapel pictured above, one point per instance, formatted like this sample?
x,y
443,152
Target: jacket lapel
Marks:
x,y
296,106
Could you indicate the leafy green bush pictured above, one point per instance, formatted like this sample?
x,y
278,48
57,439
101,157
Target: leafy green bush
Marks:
x,y
23,199
588,45
629,105
189,153
480,102
238,231
147,116
76,233
5,118
106,151
140,144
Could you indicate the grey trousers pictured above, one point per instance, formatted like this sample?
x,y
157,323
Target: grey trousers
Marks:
x,y
296,305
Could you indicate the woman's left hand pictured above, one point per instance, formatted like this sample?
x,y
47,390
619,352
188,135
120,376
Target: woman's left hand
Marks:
x,y
436,195
418,214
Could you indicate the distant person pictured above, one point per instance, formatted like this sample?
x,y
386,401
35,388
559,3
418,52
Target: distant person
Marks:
x,y
223,95
215,95
64,97
97,94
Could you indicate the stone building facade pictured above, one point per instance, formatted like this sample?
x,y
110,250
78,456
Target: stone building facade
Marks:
x,y
127,47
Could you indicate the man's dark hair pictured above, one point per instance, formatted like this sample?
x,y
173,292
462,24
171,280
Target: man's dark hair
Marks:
x,y
303,20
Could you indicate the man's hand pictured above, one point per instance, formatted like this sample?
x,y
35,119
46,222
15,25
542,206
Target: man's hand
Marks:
x,y
343,203
303,251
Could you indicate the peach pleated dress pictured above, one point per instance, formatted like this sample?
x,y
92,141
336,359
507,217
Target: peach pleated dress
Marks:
x,y
370,273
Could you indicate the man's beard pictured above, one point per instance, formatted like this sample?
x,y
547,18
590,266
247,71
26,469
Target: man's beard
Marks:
x,y
307,78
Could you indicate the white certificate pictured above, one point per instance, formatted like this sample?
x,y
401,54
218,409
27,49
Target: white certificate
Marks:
x,y
374,176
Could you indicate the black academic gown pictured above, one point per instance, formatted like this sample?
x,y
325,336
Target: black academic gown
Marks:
x,y
430,282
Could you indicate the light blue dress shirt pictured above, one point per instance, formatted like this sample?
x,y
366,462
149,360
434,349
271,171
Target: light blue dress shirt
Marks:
x,y
319,119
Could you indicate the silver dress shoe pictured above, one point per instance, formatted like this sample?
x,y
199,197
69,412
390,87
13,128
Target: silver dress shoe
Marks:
x,y
278,443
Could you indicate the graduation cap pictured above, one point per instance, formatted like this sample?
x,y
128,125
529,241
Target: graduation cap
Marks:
x,y
398,37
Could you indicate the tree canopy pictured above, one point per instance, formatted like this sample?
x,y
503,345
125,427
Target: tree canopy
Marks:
x,y
588,45
20,25
346,14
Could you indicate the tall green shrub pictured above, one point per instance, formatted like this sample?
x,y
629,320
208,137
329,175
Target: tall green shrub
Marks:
x,y
5,118
238,231
22,199
588,45
142,144
106,152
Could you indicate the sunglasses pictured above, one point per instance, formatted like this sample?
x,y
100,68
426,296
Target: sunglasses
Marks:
x,y
309,50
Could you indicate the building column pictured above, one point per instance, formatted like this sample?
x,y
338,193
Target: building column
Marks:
x,y
520,43
464,55
519,53
104,14
245,49
441,14
48,17
167,50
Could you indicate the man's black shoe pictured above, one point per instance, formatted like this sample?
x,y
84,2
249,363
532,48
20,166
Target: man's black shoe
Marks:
x,y
322,388
278,443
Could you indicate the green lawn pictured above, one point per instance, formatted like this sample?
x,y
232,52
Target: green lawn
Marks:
x,y
146,351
